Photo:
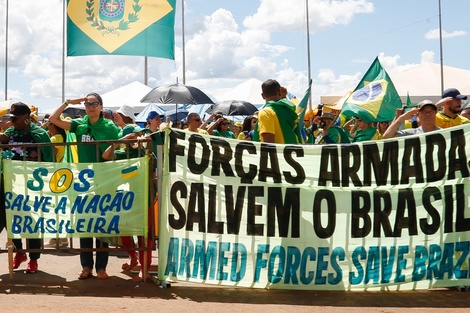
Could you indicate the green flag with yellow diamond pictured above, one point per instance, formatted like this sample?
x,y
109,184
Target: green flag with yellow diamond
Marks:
x,y
121,27
375,98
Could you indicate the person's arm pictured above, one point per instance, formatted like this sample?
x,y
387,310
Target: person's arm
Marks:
x,y
55,116
393,128
347,126
214,125
267,137
108,153
352,130
204,124
440,103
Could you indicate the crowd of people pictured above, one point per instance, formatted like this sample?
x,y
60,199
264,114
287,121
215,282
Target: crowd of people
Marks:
x,y
276,122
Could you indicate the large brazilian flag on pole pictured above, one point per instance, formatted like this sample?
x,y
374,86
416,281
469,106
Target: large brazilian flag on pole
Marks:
x,y
121,27
375,98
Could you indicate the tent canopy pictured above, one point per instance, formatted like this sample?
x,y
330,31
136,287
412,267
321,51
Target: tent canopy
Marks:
x,y
249,90
129,94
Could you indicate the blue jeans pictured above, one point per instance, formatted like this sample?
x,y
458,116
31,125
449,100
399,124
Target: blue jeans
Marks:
x,y
86,258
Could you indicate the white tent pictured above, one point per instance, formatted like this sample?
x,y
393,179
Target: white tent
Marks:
x,y
129,94
421,82
249,90
142,116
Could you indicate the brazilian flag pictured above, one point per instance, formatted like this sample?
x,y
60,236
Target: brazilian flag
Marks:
x,y
375,98
121,27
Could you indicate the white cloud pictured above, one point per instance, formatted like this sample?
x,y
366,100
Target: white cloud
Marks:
x,y
427,56
275,15
434,34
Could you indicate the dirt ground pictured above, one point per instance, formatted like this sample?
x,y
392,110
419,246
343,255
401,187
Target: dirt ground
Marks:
x,y
56,288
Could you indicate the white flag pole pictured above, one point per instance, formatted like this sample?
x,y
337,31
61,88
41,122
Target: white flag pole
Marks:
x,y
64,21
6,51
308,55
440,46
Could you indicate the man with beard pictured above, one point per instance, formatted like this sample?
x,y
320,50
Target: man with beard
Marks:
x,y
451,105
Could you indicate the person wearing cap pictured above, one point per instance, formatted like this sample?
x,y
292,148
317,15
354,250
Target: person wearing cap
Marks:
x,y
92,127
127,114
426,115
237,128
329,132
24,130
154,119
451,105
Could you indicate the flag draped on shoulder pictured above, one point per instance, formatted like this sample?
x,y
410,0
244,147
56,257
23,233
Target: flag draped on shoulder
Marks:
x,y
121,27
375,98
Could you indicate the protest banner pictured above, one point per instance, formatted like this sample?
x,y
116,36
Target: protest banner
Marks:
x,y
44,200
380,215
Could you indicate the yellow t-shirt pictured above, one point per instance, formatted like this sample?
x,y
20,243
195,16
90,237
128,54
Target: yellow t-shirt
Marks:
x,y
59,155
269,123
199,131
444,121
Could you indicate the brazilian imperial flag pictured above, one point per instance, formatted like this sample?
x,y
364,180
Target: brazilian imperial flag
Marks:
x,y
375,98
121,27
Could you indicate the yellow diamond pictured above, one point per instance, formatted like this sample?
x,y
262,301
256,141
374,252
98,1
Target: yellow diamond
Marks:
x,y
111,38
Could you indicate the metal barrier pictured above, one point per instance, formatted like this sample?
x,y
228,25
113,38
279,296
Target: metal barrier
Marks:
x,y
152,236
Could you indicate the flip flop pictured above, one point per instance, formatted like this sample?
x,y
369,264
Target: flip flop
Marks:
x,y
101,274
86,273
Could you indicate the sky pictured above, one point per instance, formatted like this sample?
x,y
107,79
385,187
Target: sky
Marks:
x,y
231,41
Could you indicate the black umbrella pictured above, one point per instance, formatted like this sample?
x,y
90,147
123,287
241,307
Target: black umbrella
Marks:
x,y
176,94
233,107
176,115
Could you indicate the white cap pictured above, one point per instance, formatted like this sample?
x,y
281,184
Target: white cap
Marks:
x,y
127,111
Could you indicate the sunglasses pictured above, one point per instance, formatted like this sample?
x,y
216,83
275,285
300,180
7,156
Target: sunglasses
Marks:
x,y
254,121
197,120
91,104
225,123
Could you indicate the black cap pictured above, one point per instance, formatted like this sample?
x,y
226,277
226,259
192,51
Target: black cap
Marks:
x,y
454,93
18,108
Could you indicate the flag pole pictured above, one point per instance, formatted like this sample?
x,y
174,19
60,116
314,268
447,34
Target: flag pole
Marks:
x,y
440,46
146,71
183,39
64,21
6,51
308,55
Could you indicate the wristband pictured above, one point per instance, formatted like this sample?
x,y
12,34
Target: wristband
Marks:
x,y
66,103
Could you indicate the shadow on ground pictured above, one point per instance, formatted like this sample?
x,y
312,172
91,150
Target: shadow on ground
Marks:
x,y
121,286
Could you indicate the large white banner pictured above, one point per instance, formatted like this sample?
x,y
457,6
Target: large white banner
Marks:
x,y
390,214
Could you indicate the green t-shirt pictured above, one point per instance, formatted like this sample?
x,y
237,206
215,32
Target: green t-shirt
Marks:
x,y
103,129
225,134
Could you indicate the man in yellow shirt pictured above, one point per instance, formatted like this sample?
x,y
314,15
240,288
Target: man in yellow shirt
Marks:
x,y
194,122
277,121
450,106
